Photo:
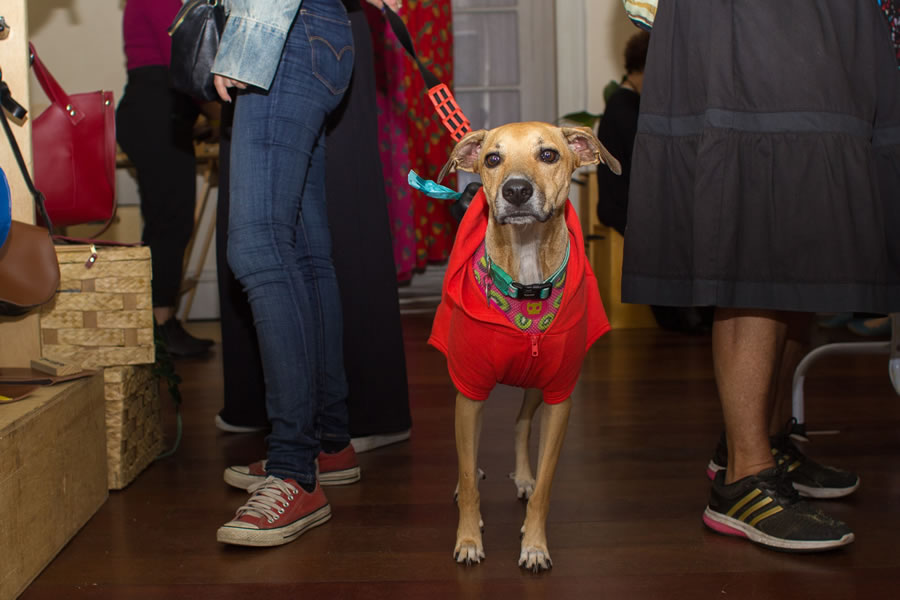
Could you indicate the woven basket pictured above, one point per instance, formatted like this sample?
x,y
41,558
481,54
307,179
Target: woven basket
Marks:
x,y
134,434
103,313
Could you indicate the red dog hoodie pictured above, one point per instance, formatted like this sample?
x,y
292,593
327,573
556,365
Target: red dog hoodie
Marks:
x,y
483,347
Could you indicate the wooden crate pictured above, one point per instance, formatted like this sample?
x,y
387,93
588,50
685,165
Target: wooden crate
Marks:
x,y
134,434
52,475
103,314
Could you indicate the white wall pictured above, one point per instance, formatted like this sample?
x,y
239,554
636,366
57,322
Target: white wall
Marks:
x,y
590,46
591,37
80,42
608,31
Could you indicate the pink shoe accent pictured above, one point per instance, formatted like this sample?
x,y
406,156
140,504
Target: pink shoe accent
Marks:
x,y
721,527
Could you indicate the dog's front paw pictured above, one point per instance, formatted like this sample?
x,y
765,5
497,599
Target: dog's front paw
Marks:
x,y
524,486
469,551
535,559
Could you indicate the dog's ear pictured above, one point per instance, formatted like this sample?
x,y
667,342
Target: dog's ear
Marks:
x,y
465,154
588,148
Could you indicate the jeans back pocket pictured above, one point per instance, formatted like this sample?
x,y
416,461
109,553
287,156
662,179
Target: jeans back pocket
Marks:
x,y
331,45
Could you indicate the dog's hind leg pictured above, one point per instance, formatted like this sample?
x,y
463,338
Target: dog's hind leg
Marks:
x,y
535,555
469,547
522,475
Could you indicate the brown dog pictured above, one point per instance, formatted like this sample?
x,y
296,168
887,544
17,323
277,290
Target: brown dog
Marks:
x,y
527,231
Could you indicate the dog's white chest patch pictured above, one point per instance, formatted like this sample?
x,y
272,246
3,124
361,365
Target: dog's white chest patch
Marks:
x,y
528,315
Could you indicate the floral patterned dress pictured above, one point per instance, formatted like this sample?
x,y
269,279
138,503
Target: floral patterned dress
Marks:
x,y
891,10
411,136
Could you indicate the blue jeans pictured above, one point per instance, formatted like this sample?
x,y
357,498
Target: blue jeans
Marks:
x,y
279,245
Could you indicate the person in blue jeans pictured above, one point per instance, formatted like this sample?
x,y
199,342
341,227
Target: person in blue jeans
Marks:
x,y
292,64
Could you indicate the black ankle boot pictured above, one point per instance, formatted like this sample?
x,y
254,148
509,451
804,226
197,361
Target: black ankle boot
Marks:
x,y
179,342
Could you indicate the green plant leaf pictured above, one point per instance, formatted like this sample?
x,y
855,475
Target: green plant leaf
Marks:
x,y
583,118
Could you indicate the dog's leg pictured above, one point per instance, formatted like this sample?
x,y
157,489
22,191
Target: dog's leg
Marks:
x,y
469,548
535,556
522,476
479,472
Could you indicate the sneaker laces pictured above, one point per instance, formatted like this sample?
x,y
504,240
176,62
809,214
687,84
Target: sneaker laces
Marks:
x,y
268,499
783,443
781,484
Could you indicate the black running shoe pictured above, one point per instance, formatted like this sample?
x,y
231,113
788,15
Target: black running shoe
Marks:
x,y
809,478
767,510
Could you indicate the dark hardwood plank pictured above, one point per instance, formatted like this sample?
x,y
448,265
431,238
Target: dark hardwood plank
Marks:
x,y
625,517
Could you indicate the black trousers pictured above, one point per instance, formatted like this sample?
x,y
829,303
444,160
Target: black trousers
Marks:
x,y
374,357
154,127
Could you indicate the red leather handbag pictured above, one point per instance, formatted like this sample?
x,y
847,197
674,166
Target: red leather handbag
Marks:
x,y
74,145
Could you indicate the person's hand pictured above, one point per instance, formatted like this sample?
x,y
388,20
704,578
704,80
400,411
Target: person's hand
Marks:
x,y
222,84
379,4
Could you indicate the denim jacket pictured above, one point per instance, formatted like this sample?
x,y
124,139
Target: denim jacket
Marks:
x,y
251,45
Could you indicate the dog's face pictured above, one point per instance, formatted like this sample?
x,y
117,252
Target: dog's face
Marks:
x,y
526,167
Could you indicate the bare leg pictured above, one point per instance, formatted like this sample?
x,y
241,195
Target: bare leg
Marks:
x,y
523,476
796,345
535,555
745,346
163,313
469,548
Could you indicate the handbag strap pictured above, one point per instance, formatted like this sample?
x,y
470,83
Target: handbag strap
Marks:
x,y
38,196
52,88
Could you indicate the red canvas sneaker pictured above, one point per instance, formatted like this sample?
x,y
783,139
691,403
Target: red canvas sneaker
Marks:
x,y
278,512
340,468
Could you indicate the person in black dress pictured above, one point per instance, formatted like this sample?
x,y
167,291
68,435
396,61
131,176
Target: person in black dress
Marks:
x,y
763,183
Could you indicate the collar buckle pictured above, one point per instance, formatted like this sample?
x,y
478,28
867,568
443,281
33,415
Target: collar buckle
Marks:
x,y
533,291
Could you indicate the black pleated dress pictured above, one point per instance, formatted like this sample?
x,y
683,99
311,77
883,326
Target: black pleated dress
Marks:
x,y
766,169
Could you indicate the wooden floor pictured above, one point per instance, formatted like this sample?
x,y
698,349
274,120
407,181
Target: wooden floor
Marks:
x,y
625,517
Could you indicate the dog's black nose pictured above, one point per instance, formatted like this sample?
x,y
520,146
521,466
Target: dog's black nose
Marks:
x,y
517,191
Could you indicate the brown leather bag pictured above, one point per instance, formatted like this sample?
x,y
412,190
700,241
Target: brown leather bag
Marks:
x,y
29,269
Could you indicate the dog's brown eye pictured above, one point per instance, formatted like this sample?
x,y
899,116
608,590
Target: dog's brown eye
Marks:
x,y
549,156
492,160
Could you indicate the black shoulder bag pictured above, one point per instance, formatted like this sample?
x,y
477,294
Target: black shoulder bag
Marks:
x,y
195,34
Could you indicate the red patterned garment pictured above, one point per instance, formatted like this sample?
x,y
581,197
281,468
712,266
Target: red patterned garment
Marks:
x,y
891,10
411,136
393,133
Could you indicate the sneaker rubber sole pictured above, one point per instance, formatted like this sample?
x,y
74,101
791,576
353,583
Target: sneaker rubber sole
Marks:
x,y
248,536
726,525
345,477
223,425
371,442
